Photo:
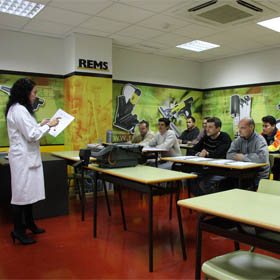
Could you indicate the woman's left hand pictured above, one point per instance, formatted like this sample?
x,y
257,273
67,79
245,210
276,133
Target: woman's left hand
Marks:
x,y
44,121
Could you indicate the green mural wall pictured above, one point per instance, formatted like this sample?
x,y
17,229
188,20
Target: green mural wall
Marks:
x,y
264,101
51,90
154,97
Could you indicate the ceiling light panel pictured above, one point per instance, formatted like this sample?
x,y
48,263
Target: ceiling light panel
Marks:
x,y
273,24
197,46
20,8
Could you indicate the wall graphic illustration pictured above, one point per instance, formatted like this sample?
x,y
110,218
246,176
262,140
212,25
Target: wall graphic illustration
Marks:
x,y
153,102
124,118
50,98
231,105
89,100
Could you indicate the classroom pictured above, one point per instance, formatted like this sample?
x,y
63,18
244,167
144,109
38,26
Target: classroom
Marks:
x,y
116,66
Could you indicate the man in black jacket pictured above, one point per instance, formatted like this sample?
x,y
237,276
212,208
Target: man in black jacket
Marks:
x,y
214,144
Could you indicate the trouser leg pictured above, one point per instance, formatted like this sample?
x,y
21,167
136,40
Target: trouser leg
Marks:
x,y
17,211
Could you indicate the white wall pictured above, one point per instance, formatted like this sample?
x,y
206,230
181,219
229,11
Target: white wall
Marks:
x,y
139,67
261,67
30,53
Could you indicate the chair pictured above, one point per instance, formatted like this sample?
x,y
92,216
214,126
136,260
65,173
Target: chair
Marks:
x,y
241,264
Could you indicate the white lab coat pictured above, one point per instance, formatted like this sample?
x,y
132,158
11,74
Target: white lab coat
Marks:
x,y
27,178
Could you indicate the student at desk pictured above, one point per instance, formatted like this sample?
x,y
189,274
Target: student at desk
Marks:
x,y
165,139
251,147
145,135
212,145
190,133
272,137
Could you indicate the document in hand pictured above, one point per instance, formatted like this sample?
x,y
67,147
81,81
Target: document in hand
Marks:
x,y
64,121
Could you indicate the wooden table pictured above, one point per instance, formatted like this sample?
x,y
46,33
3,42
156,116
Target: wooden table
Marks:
x,y
230,208
211,166
145,179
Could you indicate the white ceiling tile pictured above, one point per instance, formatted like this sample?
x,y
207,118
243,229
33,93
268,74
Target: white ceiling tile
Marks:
x,y
61,16
13,21
125,13
47,27
139,32
90,7
123,40
102,24
163,23
88,32
153,5
196,31
171,40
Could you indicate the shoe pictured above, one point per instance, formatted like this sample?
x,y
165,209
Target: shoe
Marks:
x,y
22,238
34,229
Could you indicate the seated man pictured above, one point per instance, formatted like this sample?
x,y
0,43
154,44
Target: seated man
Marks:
x,y
250,146
272,137
190,133
202,132
165,139
213,145
145,134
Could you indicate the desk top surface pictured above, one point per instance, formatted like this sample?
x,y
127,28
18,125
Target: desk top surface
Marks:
x,y
71,155
223,163
186,146
253,208
144,174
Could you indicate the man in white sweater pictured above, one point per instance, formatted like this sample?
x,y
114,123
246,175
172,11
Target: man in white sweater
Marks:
x,y
165,139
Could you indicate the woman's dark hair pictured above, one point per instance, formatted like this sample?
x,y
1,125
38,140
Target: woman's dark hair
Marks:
x,y
19,93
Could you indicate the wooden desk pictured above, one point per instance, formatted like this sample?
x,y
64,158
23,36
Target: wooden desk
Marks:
x,y
211,166
231,208
71,158
144,179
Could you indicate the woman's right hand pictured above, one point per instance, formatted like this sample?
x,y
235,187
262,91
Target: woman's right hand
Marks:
x,y
53,122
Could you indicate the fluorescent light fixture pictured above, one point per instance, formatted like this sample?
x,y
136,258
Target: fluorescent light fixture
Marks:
x,y
273,24
197,46
20,8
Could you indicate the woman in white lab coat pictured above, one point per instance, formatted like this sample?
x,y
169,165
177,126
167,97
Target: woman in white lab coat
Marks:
x,y
27,181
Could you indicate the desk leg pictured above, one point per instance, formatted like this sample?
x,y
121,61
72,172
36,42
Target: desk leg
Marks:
x,y
83,195
95,205
180,222
151,231
106,197
122,211
198,247
170,206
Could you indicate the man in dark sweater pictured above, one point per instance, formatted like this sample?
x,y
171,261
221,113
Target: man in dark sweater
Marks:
x,y
215,143
190,133
212,145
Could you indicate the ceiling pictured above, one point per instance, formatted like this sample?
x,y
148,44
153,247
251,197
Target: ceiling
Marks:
x,y
157,26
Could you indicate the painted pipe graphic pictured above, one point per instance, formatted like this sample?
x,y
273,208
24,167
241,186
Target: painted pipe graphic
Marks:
x,y
38,101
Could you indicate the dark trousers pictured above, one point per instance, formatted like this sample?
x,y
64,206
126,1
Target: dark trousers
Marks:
x,y
23,217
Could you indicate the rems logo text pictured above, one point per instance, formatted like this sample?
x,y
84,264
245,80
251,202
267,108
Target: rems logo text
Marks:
x,y
88,64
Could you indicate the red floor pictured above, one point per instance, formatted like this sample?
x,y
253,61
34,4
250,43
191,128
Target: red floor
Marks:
x,y
68,251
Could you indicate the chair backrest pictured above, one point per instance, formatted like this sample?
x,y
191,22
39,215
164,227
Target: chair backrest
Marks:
x,y
269,187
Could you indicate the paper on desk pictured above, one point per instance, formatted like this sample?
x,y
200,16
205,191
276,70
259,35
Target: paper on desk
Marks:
x,y
240,163
151,149
200,159
183,157
222,161
64,121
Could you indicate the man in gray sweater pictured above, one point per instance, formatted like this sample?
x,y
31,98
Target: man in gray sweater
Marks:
x,y
251,147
